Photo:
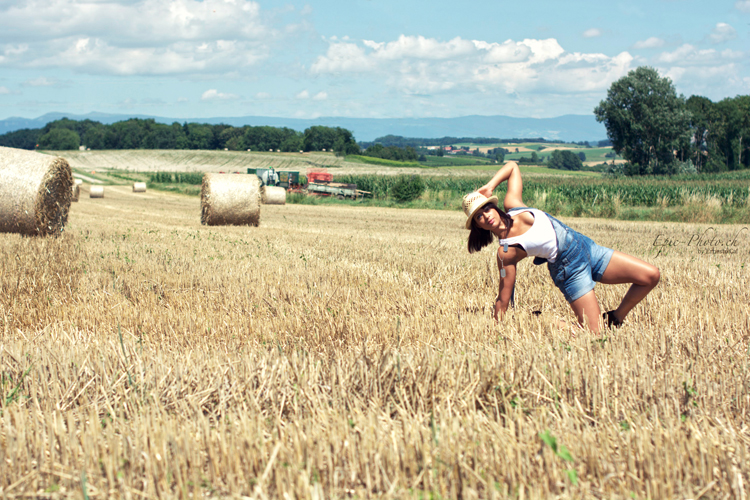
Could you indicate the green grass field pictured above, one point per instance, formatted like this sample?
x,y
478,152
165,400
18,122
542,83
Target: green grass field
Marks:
x,y
532,169
544,150
457,161
370,160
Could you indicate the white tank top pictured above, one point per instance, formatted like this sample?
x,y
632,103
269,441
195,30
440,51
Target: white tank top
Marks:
x,y
540,240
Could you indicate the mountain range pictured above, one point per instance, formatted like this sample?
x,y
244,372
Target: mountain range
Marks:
x,y
567,128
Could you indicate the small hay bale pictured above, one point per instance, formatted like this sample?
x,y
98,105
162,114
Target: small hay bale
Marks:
x,y
35,192
230,200
75,192
96,192
274,195
78,181
139,187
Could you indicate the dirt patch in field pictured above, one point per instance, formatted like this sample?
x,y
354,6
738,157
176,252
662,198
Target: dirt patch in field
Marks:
x,y
552,148
617,162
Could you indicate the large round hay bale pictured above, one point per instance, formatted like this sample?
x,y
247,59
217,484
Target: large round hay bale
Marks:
x,y
139,187
35,192
230,199
75,192
96,192
273,195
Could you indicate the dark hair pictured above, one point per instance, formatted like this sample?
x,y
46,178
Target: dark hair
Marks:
x,y
480,238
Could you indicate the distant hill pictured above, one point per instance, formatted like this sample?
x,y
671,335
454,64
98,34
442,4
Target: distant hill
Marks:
x,y
563,128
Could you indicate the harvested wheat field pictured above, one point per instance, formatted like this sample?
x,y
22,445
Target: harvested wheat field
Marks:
x,y
337,352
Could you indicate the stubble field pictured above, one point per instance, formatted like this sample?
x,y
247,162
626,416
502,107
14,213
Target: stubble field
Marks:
x,y
338,352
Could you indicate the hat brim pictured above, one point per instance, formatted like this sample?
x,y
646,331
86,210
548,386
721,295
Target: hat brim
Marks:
x,y
491,199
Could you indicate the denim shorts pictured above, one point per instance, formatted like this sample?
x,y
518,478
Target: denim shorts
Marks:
x,y
580,262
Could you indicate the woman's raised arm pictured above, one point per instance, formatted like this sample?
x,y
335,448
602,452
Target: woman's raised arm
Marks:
x,y
512,174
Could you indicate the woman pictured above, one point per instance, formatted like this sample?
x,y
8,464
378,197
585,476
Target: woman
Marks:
x,y
574,261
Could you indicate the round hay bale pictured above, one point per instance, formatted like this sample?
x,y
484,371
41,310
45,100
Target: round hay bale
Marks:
x,y
35,192
78,181
228,199
96,192
139,187
274,195
75,192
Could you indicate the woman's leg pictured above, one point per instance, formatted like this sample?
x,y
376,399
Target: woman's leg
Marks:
x,y
624,268
587,311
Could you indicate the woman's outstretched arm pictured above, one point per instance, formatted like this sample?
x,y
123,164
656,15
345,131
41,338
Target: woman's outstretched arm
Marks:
x,y
506,265
511,173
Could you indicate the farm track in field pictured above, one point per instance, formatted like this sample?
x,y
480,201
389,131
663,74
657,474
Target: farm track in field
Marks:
x,y
144,161
349,352
194,161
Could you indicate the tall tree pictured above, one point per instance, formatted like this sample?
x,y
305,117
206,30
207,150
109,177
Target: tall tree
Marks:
x,y
703,117
565,160
647,122
59,139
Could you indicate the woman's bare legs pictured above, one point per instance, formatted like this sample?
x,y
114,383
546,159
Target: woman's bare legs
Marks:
x,y
587,311
624,268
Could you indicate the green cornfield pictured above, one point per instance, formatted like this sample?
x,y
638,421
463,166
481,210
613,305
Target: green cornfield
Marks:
x,y
647,192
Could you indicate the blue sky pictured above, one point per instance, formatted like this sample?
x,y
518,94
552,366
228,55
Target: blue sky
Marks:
x,y
358,58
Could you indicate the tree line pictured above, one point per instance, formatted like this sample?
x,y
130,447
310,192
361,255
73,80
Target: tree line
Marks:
x,y
137,133
660,132
417,142
395,153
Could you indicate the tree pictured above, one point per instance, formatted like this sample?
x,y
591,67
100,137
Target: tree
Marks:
x,y
94,137
395,153
646,121
59,139
534,157
565,160
201,136
22,139
582,156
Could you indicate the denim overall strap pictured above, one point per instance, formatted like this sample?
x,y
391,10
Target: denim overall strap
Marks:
x,y
562,233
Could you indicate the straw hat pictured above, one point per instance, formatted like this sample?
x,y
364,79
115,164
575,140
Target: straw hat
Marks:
x,y
473,202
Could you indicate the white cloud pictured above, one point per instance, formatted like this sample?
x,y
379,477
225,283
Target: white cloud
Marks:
x,y
303,95
183,99
732,54
343,58
543,50
4,91
649,43
144,21
320,96
705,80
214,95
508,51
135,37
262,95
689,55
592,33
418,66
419,47
705,72
97,56
722,32
40,82
742,5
